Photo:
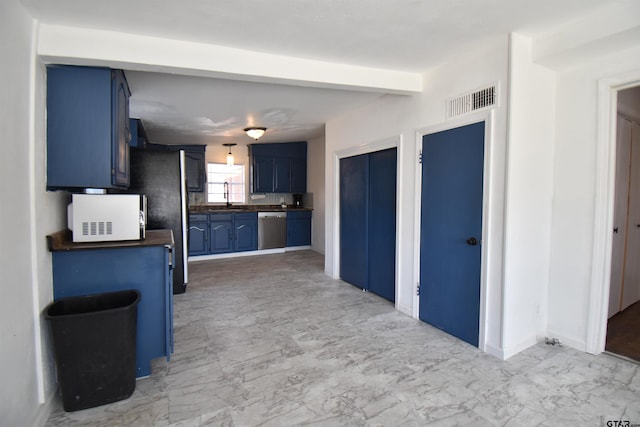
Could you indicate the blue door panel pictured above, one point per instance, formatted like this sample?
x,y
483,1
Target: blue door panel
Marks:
x,y
282,175
220,237
263,175
246,232
382,223
452,177
354,178
198,241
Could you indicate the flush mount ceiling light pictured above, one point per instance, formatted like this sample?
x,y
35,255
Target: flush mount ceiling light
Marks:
x,y
229,156
255,132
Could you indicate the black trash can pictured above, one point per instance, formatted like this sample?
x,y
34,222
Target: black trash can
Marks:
x,y
94,341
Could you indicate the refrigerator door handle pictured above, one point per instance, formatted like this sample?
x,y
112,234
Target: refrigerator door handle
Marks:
x,y
184,217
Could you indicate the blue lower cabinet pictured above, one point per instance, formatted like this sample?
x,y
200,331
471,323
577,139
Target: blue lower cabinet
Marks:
x,y
298,228
223,233
146,269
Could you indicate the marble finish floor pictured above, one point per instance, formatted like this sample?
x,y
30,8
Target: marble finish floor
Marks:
x,y
271,341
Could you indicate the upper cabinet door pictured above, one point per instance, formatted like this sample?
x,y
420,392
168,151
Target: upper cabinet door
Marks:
x,y
121,129
282,175
87,128
195,161
299,175
263,171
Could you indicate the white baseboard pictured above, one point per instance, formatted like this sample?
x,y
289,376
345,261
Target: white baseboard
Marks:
x,y
494,351
580,345
248,253
44,411
408,310
297,248
507,352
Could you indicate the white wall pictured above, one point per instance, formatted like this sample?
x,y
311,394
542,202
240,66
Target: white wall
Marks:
x,y
315,185
528,197
28,214
572,238
19,392
399,118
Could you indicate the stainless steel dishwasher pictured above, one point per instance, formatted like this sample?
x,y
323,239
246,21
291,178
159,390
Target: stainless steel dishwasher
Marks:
x,y
272,230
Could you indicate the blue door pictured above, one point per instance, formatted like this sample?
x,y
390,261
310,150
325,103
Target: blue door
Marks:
x,y
368,221
354,199
451,230
382,223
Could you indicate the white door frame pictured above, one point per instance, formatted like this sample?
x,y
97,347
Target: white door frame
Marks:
x,y
604,202
487,212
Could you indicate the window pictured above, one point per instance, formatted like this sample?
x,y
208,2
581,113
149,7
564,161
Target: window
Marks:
x,y
217,175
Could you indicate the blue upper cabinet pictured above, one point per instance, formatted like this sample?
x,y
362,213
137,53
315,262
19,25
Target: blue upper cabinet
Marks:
x,y
88,129
139,137
195,163
279,168
196,171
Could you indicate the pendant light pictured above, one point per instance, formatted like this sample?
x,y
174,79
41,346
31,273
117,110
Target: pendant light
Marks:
x,y
229,156
255,132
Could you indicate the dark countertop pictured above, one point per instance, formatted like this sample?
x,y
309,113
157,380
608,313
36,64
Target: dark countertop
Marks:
x,y
62,241
204,209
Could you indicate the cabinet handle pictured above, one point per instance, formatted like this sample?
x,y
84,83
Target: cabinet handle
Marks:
x,y
193,227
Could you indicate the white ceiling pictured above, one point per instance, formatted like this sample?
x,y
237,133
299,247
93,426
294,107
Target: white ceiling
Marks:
x,y
401,35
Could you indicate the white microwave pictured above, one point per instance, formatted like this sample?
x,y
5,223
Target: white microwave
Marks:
x,y
107,217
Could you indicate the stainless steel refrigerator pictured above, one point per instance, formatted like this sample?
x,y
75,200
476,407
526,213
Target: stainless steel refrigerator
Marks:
x,y
160,175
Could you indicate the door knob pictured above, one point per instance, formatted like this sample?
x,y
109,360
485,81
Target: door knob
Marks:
x,y
472,241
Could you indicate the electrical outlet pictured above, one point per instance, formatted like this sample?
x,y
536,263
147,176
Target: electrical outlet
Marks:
x,y
281,200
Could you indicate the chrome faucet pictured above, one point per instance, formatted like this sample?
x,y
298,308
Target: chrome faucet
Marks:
x,y
226,193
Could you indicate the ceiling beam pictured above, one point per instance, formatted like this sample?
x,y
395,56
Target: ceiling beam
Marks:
x,y
82,46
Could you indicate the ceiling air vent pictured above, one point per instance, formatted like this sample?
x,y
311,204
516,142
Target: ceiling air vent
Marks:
x,y
480,99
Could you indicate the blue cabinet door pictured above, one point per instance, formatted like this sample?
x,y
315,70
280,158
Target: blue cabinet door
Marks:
x,y
121,133
299,175
298,228
195,170
198,238
246,232
220,237
87,128
282,175
263,170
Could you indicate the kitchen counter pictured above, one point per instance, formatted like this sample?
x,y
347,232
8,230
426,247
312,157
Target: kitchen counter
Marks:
x,y
243,208
62,241
89,268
